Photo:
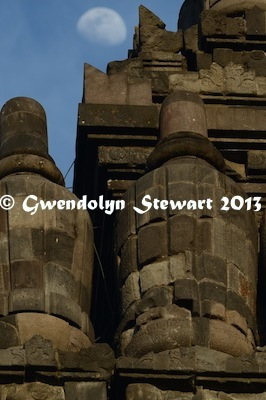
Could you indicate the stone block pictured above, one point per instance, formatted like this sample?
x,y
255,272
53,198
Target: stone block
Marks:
x,y
85,390
162,334
203,60
180,266
40,352
256,162
12,357
252,60
63,336
100,116
152,242
236,118
130,156
210,361
4,304
130,291
156,213
204,233
155,297
228,339
100,353
27,274
145,391
59,280
201,331
156,274
100,88
191,38
182,232
8,335
147,17
124,340
212,291
20,244
154,185
219,238
59,248
26,300
189,81
187,294
156,39
212,267
65,307
126,221
34,391
129,258
215,24
256,22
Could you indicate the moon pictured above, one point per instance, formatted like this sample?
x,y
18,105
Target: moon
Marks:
x,y
103,26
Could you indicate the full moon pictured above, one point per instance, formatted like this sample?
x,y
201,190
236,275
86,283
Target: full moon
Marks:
x,y
103,26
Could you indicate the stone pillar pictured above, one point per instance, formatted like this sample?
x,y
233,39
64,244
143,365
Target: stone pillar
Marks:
x,y
46,256
187,275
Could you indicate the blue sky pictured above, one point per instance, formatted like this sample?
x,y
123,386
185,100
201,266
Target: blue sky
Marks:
x,y
42,55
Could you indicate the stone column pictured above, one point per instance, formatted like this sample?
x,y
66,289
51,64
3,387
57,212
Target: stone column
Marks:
x,y
187,275
46,257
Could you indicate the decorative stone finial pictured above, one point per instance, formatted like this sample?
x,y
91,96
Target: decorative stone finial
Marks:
x,y
23,140
183,130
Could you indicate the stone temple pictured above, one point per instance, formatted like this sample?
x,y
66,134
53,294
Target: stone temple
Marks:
x,y
163,299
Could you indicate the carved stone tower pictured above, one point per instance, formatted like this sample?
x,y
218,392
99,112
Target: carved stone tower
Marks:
x,y
178,130
182,283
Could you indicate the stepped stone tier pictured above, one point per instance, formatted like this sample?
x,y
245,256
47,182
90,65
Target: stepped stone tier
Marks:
x,y
177,292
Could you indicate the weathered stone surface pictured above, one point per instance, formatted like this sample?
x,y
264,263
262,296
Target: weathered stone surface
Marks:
x,y
61,305
238,118
156,296
133,156
129,258
231,80
252,60
146,17
153,36
40,352
8,335
26,300
63,336
256,162
161,329
12,357
144,391
191,38
101,353
227,339
34,391
256,22
113,115
130,291
182,112
100,88
215,24
159,273
204,60
233,6
85,390
152,242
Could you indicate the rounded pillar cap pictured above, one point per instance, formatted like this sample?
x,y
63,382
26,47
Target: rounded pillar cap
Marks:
x,y
183,111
